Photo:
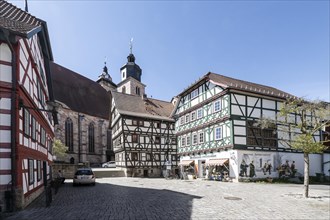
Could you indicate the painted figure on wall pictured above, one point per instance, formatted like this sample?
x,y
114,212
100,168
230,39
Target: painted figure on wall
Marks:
x,y
252,169
293,169
243,167
267,168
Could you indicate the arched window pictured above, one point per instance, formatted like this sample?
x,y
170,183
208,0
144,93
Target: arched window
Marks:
x,y
91,138
137,90
69,134
124,89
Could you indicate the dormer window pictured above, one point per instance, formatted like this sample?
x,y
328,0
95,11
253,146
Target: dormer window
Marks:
x,y
123,89
124,75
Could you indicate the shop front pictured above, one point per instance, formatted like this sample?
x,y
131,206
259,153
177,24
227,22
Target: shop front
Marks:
x,y
217,169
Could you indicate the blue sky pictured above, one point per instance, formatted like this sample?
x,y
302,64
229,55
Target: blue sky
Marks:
x,y
284,44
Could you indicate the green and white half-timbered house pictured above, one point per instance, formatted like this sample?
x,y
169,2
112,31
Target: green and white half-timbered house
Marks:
x,y
215,126
143,133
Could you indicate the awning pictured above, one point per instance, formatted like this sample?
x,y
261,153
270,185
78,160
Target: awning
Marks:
x,y
218,161
186,162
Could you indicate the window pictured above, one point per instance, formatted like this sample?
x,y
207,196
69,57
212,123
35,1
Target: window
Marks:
x,y
261,137
217,105
123,89
134,122
217,134
50,146
187,118
33,129
157,156
173,141
137,90
157,124
188,141
148,156
135,156
138,122
42,73
39,170
157,140
141,123
26,122
135,138
194,139
201,137
40,93
182,120
31,171
91,138
183,141
43,136
199,113
193,116
194,93
174,157
69,134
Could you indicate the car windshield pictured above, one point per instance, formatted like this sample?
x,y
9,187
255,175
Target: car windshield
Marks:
x,y
84,172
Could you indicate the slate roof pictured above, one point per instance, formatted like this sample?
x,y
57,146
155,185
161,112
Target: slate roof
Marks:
x,y
18,21
79,93
142,107
232,83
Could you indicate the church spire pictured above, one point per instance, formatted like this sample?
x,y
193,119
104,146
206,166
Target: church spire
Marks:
x,y
105,75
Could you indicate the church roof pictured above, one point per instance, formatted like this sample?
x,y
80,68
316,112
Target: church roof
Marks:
x,y
236,84
79,93
18,21
142,107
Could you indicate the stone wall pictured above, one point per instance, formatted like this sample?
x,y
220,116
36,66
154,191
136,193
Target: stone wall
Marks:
x,y
100,128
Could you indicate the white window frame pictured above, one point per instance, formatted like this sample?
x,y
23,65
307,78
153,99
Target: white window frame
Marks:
x,y
193,116
216,133
201,137
215,104
194,93
182,120
201,113
188,140
187,116
194,139
183,141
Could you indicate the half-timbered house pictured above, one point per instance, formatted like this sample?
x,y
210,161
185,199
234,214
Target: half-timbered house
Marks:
x,y
26,123
143,134
216,128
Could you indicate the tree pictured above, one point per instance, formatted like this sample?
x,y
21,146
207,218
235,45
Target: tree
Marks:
x,y
301,120
59,149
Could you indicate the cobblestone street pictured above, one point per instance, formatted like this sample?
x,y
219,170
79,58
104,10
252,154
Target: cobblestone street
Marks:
x,y
137,198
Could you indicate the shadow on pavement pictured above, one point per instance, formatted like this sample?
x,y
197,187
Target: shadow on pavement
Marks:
x,y
108,201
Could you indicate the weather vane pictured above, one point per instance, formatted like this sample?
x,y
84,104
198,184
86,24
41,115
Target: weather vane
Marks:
x,y
131,45
105,60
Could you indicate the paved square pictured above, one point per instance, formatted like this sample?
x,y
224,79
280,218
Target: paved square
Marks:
x,y
139,198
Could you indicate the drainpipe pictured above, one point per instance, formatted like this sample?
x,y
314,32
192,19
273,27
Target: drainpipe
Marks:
x,y
13,124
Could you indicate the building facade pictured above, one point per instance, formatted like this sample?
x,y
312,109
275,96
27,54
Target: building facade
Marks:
x,y
83,116
143,132
217,131
26,119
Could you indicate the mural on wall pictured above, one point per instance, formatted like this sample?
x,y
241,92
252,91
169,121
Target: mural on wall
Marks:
x,y
262,164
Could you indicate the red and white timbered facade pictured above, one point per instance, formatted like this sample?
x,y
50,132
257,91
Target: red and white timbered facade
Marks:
x,y
26,124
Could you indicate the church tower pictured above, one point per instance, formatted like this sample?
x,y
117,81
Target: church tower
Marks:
x,y
131,77
105,79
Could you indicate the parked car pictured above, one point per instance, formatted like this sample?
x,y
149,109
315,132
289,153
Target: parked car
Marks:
x,y
109,164
84,176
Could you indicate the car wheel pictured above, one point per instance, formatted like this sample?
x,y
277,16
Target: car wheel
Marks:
x,y
93,184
